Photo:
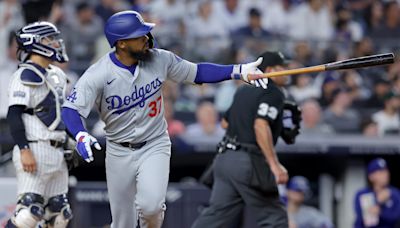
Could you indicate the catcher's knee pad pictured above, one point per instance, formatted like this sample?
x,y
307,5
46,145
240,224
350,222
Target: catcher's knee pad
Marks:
x,y
29,210
58,211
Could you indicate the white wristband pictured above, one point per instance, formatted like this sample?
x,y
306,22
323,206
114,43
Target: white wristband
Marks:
x,y
236,72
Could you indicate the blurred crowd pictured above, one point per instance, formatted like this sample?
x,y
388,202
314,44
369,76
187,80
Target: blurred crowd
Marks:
x,y
310,32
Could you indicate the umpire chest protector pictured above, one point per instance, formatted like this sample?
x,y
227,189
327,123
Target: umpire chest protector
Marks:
x,y
52,83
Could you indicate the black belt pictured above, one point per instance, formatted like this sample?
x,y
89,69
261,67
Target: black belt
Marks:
x,y
53,143
135,146
229,143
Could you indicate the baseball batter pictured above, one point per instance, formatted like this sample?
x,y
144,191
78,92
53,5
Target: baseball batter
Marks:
x,y
36,93
125,85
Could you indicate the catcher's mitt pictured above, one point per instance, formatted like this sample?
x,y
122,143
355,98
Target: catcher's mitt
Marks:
x,y
71,156
291,122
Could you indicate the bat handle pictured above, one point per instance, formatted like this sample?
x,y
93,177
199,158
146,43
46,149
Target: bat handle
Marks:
x,y
252,77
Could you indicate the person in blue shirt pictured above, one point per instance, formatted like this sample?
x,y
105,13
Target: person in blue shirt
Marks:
x,y
301,215
377,205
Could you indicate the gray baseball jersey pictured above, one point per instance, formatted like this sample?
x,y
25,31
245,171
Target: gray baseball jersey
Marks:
x,y
129,104
46,93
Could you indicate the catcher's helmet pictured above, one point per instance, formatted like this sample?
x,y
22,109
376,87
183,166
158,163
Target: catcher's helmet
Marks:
x,y
126,25
30,37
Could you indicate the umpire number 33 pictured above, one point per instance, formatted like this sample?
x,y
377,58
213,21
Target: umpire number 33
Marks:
x,y
155,107
266,110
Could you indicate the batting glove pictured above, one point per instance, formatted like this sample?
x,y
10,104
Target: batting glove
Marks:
x,y
84,141
241,71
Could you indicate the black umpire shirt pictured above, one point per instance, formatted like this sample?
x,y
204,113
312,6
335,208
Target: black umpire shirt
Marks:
x,y
250,103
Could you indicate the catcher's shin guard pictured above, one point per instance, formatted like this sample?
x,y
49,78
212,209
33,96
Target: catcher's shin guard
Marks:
x,y
58,212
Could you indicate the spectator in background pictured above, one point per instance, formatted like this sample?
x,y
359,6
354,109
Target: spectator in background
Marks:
x,y
373,16
363,47
377,205
303,88
198,93
205,134
279,17
396,84
388,119
329,84
313,22
300,215
224,95
312,124
175,127
380,88
10,19
36,10
106,8
369,128
354,84
391,24
340,115
347,30
231,13
206,30
303,53
7,69
253,30
168,15
82,47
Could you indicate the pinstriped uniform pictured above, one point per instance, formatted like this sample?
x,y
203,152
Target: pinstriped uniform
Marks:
x,y
51,177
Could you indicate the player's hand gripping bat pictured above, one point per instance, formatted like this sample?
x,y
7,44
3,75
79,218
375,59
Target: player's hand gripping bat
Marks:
x,y
365,61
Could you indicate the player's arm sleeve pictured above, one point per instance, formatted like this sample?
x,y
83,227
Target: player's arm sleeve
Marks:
x,y
212,73
358,223
72,121
17,127
18,100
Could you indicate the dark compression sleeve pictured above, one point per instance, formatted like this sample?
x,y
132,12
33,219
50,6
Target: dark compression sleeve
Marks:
x,y
17,127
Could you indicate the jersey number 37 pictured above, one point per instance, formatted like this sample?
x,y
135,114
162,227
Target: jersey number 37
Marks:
x,y
155,107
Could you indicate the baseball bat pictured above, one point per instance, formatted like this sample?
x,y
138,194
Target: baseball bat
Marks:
x,y
365,61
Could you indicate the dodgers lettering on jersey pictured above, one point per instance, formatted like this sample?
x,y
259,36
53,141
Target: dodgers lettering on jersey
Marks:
x,y
131,105
138,97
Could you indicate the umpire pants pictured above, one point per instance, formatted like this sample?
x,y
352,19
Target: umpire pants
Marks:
x,y
233,188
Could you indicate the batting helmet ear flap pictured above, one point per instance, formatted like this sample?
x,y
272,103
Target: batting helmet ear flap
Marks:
x,y
151,40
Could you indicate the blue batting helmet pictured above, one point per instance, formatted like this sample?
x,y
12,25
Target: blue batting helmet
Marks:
x,y
126,25
30,37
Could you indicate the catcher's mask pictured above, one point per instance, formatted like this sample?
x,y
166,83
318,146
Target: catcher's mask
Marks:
x,y
30,40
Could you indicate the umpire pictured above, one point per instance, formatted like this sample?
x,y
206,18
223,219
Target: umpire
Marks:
x,y
247,170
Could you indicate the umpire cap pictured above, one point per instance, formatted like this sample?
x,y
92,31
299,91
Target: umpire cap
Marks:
x,y
271,59
126,25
